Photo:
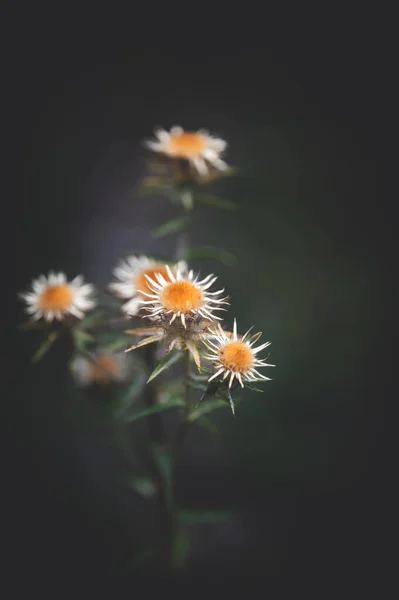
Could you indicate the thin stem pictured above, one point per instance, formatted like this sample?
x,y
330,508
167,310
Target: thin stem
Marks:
x,y
184,423
183,241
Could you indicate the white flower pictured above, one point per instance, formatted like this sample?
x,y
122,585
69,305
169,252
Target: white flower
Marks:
x,y
132,279
53,297
181,296
235,356
197,147
103,367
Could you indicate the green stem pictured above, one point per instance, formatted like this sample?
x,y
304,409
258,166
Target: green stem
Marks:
x,y
183,241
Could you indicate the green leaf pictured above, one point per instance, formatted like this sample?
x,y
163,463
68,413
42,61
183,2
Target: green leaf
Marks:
x,y
209,252
205,408
218,202
196,517
169,227
180,549
129,395
45,346
173,403
167,361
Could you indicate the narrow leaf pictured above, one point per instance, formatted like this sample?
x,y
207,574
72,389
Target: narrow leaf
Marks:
x,y
168,360
144,342
156,409
231,401
172,226
45,346
127,398
205,408
142,330
218,202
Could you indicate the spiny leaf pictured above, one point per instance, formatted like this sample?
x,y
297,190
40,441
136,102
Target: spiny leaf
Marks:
x,y
205,408
45,346
209,252
218,202
177,402
167,361
172,226
142,330
144,342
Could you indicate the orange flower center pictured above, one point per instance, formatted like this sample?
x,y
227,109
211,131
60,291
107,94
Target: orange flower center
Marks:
x,y
141,281
56,297
236,356
186,144
103,369
182,296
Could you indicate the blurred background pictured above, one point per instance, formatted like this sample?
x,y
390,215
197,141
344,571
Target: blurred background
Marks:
x,y
302,466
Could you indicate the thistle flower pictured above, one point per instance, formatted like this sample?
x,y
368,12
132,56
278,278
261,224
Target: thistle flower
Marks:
x,y
176,335
53,297
132,273
182,296
234,356
103,367
198,148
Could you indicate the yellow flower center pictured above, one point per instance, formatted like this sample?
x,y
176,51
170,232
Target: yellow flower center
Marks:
x,y
236,356
141,281
186,144
103,369
181,296
56,297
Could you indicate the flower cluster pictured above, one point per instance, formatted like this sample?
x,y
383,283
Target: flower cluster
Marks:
x,y
179,309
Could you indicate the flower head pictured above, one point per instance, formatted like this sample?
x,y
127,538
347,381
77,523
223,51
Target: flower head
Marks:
x,y
182,296
132,282
197,147
103,367
176,335
53,297
234,356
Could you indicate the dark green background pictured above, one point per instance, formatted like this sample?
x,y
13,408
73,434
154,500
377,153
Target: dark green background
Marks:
x,y
302,464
